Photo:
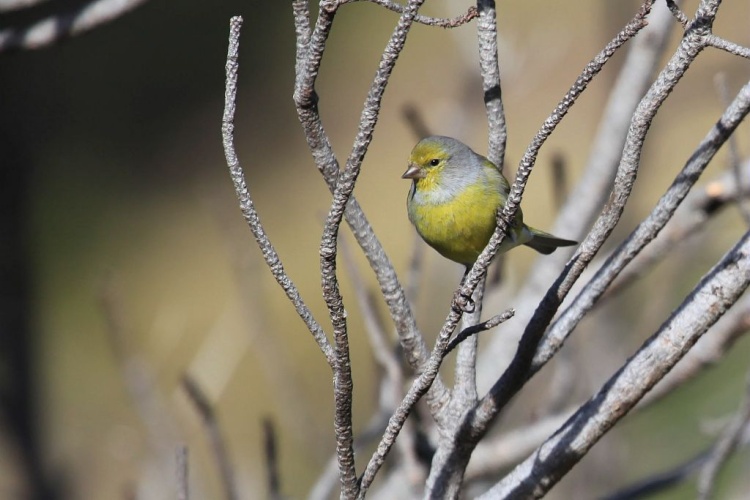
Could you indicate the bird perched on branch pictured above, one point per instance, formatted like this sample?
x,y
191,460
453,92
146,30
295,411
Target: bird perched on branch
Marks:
x,y
454,199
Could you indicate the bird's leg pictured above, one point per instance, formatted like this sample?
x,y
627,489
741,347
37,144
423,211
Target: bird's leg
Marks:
x,y
464,302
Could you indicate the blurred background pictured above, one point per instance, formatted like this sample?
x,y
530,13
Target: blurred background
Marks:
x,y
127,264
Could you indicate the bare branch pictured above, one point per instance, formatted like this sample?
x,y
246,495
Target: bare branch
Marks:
x,y
60,26
715,293
11,5
246,203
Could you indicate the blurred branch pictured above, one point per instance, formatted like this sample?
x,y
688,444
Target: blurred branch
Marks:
x,y
698,208
138,376
735,159
661,481
708,301
270,454
11,5
59,26
705,462
415,120
454,22
724,447
182,468
218,446
246,203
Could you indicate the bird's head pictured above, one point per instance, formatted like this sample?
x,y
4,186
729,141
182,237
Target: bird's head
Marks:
x,y
430,157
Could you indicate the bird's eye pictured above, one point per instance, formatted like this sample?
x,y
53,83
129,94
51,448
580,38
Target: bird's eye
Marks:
x,y
434,162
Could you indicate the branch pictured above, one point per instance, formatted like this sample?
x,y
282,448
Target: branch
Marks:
x,y
60,26
11,5
710,299
246,203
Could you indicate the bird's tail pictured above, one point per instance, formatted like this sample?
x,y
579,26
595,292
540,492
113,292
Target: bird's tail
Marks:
x,y
546,243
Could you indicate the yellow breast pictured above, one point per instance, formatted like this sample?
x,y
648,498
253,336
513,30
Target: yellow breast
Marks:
x,y
459,227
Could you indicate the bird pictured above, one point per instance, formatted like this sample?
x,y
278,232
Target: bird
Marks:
x,y
454,199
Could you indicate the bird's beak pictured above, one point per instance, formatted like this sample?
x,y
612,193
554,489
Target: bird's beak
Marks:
x,y
413,172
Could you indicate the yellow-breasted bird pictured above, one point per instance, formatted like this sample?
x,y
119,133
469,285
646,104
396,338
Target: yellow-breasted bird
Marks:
x,y
454,198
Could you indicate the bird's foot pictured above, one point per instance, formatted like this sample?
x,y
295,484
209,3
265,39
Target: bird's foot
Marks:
x,y
464,302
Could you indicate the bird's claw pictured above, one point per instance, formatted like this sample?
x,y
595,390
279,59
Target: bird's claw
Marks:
x,y
464,302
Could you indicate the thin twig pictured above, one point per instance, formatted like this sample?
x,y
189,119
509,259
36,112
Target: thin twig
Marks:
x,y
661,481
727,46
246,203
478,328
681,17
215,438
60,26
453,22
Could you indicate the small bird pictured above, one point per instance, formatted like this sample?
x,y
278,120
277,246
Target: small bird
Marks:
x,y
454,198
